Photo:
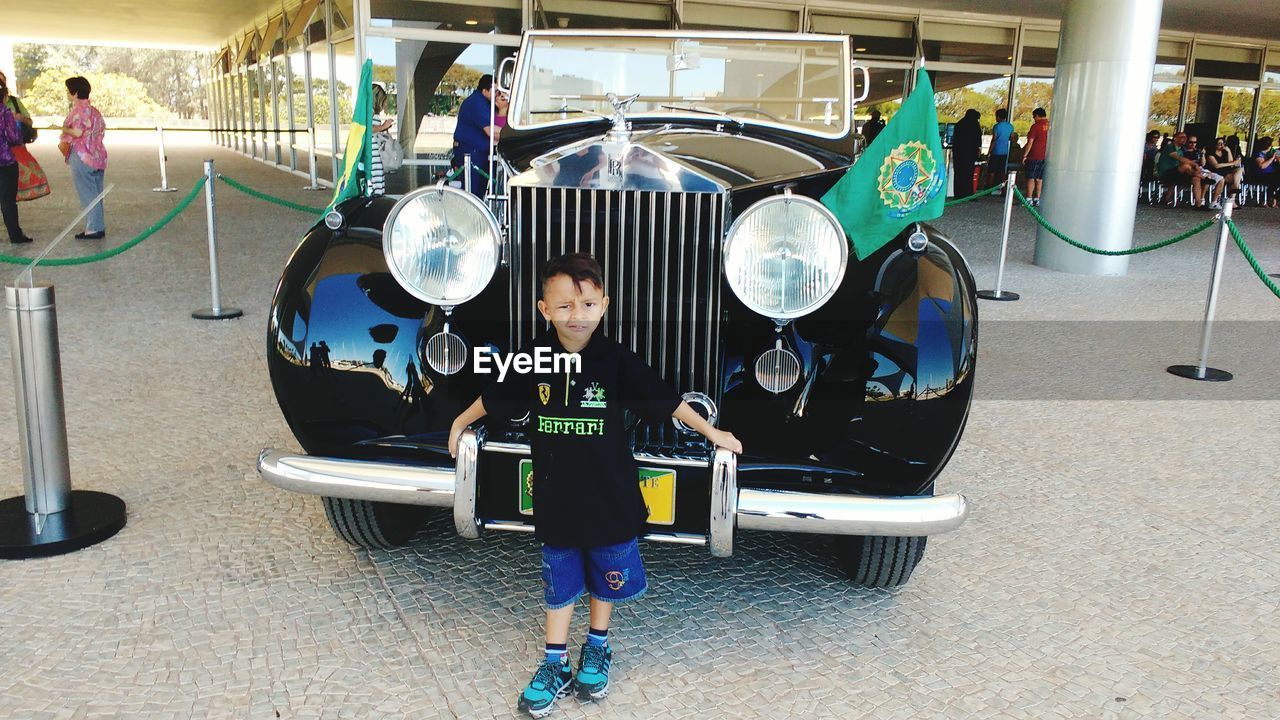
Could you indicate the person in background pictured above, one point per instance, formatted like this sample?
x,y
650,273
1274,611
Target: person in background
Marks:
x,y
1266,168
872,127
1221,160
1195,154
1175,169
474,133
1016,156
1233,144
1034,154
378,139
82,146
1149,152
966,143
32,181
10,135
998,150
501,103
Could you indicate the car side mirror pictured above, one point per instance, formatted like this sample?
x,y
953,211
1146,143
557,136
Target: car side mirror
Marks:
x,y
854,68
506,76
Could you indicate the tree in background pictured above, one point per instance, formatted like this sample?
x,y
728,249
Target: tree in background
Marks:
x,y
114,95
953,103
171,77
319,102
1269,114
458,80
167,79
1032,94
1237,111
1165,103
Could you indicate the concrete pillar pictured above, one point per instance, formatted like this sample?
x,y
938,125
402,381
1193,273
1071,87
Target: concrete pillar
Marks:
x,y
1106,55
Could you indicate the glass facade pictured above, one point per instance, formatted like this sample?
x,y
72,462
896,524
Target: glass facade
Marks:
x,y
288,78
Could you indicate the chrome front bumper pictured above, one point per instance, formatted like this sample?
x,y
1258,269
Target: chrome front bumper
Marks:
x,y
731,507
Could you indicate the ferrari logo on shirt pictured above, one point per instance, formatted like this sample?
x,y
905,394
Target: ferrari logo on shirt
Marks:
x,y
570,426
544,392
593,397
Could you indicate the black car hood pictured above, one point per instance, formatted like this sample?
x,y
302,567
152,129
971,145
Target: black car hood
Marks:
x,y
688,157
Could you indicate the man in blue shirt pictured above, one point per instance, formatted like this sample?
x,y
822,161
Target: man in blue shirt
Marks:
x,y
471,136
998,152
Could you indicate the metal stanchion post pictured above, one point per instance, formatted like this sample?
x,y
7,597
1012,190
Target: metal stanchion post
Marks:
x,y
311,158
164,169
466,172
1000,293
1203,371
217,312
50,518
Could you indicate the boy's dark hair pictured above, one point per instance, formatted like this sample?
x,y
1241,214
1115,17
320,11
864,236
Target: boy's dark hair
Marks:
x,y
578,266
1039,112
486,82
79,87
1002,115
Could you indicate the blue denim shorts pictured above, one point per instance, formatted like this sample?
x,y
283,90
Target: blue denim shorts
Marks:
x,y
613,573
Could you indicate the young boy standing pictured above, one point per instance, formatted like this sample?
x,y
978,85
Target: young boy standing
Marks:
x,y
586,492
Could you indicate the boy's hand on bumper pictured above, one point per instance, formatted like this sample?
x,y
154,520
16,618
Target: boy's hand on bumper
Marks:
x,y
455,432
726,440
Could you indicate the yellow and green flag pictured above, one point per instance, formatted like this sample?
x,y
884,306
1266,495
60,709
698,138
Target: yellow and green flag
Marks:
x,y
359,151
899,178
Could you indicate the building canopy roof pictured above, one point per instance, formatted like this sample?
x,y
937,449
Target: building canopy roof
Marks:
x,y
205,24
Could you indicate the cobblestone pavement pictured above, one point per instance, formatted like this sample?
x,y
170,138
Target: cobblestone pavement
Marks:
x,y
1120,561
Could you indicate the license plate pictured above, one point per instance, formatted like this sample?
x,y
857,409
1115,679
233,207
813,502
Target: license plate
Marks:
x,y
657,487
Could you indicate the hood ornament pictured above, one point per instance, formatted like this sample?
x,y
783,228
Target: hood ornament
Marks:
x,y
620,131
618,138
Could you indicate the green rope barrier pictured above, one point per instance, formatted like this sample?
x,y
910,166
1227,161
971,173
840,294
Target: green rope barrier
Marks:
x,y
1253,261
458,171
271,198
85,259
1097,251
975,196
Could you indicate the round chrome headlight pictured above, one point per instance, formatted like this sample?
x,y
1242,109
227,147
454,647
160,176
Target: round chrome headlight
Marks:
x,y
785,256
442,244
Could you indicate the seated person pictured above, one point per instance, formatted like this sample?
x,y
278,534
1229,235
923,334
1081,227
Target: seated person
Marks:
x,y
1266,168
1149,152
1195,154
1223,161
1175,170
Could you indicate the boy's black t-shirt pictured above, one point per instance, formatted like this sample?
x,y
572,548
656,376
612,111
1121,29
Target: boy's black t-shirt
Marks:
x,y
586,489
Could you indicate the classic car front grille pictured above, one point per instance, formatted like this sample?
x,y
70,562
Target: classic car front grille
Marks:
x,y
660,252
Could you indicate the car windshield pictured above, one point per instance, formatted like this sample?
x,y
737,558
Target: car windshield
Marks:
x,y
801,83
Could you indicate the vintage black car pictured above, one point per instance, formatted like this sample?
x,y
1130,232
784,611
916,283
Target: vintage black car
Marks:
x,y
689,164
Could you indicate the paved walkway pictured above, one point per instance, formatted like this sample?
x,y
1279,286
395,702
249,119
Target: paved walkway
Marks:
x,y
1120,561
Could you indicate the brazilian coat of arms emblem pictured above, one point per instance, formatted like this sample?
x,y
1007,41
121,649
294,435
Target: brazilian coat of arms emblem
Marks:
x,y
909,177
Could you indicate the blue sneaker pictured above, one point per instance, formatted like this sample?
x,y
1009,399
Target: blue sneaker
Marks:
x,y
552,681
592,682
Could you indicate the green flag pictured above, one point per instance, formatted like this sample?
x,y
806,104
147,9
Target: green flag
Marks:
x,y
359,148
899,178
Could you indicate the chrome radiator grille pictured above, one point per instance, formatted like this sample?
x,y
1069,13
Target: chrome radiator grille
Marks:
x,y
660,252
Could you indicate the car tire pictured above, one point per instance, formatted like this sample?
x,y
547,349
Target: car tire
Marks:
x,y
879,562
373,525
